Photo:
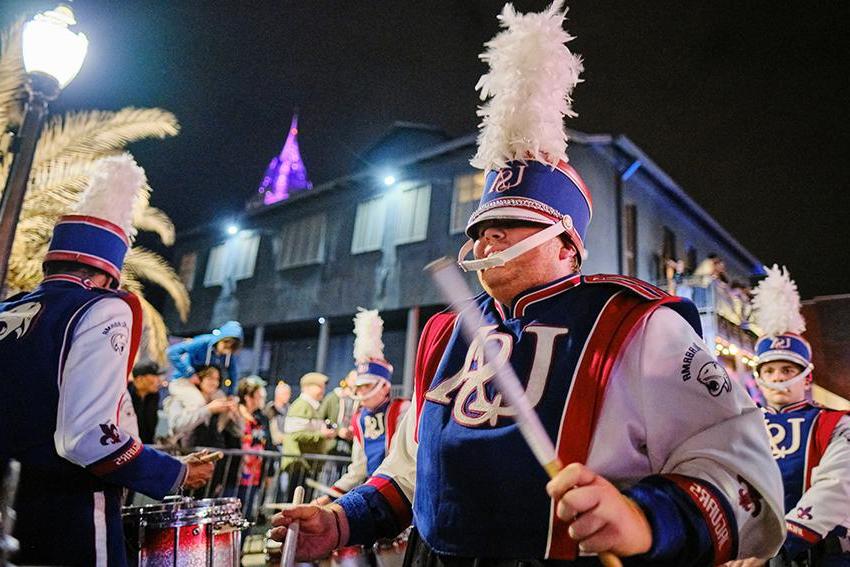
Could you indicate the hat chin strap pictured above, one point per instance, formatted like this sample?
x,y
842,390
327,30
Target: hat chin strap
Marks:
x,y
375,389
786,385
508,254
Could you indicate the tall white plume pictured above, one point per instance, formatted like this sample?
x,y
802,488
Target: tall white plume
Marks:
x,y
114,187
368,328
529,86
776,303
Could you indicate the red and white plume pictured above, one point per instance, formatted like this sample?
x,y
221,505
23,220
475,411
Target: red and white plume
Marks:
x,y
527,90
368,328
113,191
776,304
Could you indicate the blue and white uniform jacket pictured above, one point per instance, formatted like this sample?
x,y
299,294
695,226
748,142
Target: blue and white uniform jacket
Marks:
x,y
373,434
66,350
811,445
621,380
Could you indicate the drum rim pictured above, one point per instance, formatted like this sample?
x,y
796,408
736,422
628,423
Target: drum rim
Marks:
x,y
186,512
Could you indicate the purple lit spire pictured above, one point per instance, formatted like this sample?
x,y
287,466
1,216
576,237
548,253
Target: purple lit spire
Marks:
x,y
286,173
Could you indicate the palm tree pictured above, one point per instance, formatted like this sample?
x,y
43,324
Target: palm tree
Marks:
x,y
68,147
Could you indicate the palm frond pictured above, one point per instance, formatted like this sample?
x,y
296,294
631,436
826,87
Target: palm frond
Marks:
x,y
12,74
143,264
152,219
96,132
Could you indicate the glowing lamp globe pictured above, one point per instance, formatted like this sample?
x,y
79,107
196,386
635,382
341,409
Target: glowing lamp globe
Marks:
x,y
51,49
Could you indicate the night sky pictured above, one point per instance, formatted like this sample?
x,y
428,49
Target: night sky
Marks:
x,y
744,104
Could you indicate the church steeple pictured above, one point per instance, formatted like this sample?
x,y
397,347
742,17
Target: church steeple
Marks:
x,y
286,173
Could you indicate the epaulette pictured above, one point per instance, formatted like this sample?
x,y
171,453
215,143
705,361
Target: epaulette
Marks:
x,y
640,287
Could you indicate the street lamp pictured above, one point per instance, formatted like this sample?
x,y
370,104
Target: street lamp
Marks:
x,y
53,55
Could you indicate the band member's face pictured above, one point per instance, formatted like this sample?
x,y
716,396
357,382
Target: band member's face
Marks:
x,y
372,395
540,265
781,371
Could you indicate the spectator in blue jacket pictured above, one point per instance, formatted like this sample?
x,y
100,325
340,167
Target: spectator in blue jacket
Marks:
x,y
218,348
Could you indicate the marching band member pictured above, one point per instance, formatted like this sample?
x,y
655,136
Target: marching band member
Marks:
x,y
376,422
811,444
66,350
659,443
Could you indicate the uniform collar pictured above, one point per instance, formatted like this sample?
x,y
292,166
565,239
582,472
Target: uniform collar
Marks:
x,y
788,408
535,295
67,278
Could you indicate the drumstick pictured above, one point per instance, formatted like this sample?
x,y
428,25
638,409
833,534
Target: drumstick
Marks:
x,y
287,557
316,485
456,292
211,457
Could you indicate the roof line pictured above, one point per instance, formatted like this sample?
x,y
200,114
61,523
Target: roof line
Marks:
x,y
620,142
685,201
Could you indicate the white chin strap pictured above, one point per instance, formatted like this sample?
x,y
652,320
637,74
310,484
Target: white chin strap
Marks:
x,y
786,385
505,256
375,389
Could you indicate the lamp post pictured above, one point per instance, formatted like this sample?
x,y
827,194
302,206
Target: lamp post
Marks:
x,y
53,55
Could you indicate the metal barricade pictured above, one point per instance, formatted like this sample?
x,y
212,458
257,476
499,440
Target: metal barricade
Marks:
x,y
258,478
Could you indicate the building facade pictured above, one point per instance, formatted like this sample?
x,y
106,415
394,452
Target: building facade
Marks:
x,y
294,272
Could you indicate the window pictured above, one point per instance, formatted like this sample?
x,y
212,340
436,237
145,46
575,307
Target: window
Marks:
x,y
369,226
691,261
631,240
411,222
303,242
188,263
467,193
668,245
234,258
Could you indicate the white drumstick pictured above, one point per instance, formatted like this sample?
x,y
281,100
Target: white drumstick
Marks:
x,y
316,485
456,292
287,557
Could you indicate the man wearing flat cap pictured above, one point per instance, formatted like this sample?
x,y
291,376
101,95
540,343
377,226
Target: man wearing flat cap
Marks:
x,y
144,393
305,430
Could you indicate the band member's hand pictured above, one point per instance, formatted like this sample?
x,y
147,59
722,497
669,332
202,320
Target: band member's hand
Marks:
x,y
198,472
748,562
344,433
329,433
322,500
322,529
605,519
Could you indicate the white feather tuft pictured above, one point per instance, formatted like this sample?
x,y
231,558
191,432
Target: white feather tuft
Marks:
x,y
776,304
368,328
115,185
529,86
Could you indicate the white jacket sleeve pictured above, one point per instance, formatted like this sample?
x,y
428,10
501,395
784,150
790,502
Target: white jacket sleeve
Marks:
x,y
683,415
355,475
826,504
92,384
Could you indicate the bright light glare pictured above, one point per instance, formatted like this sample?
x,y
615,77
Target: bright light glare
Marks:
x,y
232,229
389,180
322,320
51,48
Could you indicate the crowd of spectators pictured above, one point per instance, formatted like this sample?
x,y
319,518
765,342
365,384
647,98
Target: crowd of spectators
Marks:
x,y
194,409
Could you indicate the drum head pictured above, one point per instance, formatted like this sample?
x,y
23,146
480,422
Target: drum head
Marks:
x,y
185,511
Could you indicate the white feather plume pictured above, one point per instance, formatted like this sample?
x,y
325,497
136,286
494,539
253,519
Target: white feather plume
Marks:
x,y
529,86
368,328
776,303
113,190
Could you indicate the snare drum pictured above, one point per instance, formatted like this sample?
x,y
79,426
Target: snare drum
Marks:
x,y
183,531
350,556
390,552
